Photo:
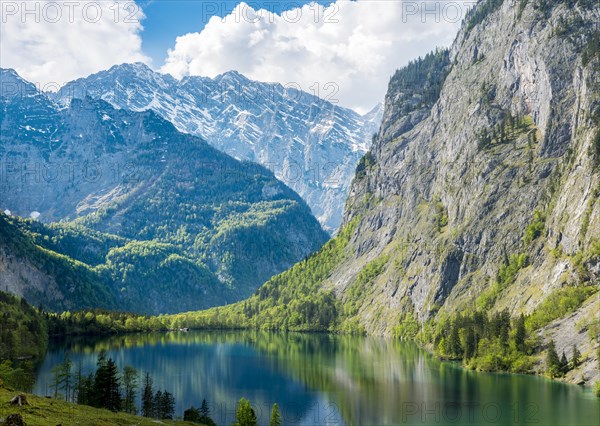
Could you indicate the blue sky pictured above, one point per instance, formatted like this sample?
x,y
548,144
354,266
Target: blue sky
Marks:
x,y
168,19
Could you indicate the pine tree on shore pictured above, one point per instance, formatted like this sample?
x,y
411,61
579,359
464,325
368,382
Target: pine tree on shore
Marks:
x,y
204,410
192,414
148,397
78,391
156,403
564,364
275,416
576,358
454,345
66,377
168,405
85,391
100,394
106,389
552,361
164,405
244,414
55,385
130,384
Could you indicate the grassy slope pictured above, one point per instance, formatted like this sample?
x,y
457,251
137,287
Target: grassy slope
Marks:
x,y
45,411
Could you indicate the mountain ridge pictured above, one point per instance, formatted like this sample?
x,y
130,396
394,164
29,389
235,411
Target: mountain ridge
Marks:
x,y
311,144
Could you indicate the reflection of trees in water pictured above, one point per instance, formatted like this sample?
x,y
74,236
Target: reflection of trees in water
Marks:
x,y
137,340
367,378
370,380
218,366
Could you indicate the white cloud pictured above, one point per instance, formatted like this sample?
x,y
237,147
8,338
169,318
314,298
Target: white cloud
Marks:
x,y
57,41
356,45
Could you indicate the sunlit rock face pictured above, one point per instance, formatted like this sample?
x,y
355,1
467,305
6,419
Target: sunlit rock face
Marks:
x,y
449,191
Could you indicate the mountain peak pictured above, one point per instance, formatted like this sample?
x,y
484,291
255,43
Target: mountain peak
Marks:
x,y
232,76
137,67
12,84
250,120
376,111
8,72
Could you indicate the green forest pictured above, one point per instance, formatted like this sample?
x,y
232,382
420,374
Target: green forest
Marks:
x,y
197,266
23,341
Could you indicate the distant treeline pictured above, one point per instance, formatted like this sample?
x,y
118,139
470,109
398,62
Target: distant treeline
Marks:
x,y
23,341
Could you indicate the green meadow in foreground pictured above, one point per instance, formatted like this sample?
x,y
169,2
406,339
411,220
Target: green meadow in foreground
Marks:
x,y
51,412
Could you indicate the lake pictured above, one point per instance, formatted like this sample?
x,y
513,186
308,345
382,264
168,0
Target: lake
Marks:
x,y
320,379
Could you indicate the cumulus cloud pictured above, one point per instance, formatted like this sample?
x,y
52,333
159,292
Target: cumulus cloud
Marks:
x,y
57,41
344,52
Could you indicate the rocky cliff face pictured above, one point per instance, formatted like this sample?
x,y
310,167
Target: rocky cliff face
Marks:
x,y
503,164
311,144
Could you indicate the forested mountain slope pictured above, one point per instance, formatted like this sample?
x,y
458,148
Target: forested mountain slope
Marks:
x,y
168,221
46,277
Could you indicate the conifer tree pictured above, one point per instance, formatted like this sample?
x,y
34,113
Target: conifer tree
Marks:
x,y
204,410
78,386
164,405
564,364
192,414
148,397
157,404
100,390
275,416
130,384
454,345
85,392
470,343
244,414
66,377
168,405
112,390
576,358
56,384
520,333
552,360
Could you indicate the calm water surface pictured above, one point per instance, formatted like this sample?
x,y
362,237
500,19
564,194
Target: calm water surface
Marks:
x,y
321,379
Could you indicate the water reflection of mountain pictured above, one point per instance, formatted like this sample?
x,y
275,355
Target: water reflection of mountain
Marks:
x,y
330,379
219,367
